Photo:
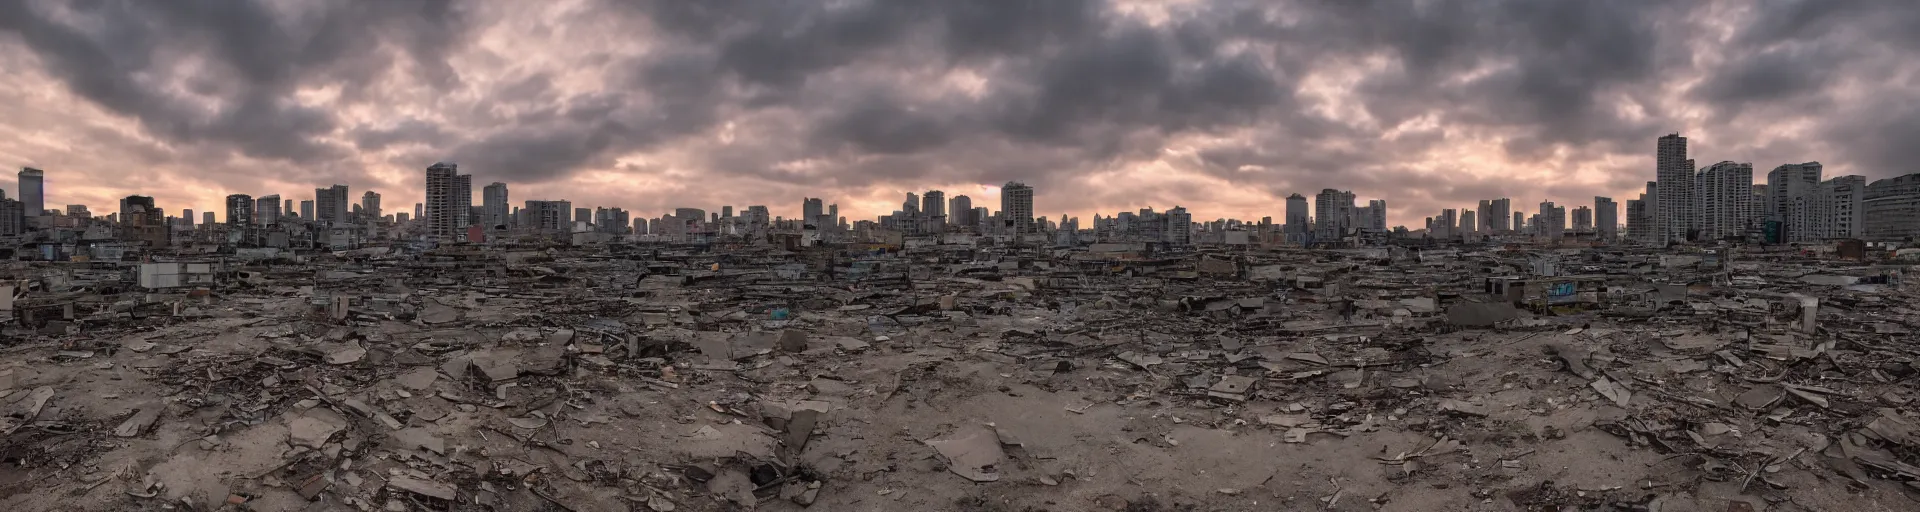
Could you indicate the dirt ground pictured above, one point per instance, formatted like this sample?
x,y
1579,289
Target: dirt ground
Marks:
x,y
274,410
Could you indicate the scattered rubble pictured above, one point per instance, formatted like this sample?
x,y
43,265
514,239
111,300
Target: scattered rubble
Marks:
x,y
968,377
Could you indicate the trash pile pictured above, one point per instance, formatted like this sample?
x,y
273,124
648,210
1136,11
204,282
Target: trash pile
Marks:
x,y
982,379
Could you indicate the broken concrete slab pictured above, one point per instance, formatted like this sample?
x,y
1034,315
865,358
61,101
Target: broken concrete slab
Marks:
x,y
423,487
141,420
973,452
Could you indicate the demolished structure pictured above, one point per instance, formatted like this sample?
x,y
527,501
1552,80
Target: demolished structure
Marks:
x,y
978,377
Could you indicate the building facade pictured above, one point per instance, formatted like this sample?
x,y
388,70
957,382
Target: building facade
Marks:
x,y
1606,218
1016,201
1725,194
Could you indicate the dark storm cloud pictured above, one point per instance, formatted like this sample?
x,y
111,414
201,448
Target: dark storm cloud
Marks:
x,y
122,53
859,95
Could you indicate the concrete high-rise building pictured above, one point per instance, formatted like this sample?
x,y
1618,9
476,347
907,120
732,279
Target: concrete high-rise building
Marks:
x,y
306,211
1582,219
1519,222
1447,223
550,216
1606,218
1637,218
239,209
1483,215
1552,222
286,210
933,208
33,191
441,210
370,205
1016,202
1500,215
331,204
1794,188
582,214
1648,231
1332,213
1179,230
1840,212
1722,193
1297,218
206,218
1893,208
493,200
1469,221
13,217
266,210
812,212
1376,218
186,216
462,204
1673,213
960,211
1757,208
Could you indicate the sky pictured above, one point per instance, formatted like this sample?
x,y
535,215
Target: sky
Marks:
x,y
1223,107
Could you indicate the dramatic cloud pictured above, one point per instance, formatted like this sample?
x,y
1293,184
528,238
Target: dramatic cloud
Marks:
x,y
1224,107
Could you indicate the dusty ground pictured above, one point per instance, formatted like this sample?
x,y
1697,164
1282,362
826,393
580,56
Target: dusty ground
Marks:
x,y
1354,419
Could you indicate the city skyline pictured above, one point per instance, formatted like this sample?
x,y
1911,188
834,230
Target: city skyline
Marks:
x,y
1265,106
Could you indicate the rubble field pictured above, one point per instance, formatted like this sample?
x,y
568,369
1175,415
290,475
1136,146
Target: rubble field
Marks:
x,y
692,379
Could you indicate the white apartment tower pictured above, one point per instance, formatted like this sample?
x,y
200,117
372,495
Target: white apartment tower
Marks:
x,y
1792,194
1724,192
1840,213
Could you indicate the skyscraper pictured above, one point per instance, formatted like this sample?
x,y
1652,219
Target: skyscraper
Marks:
x,y
933,208
1674,210
1469,221
206,218
1606,218
286,211
1016,202
370,205
332,204
1501,215
1840,209
1582,219
441,210
1723,191
306,211
1332,213
493,201
1295,222
239,209
960,211
266,210
1794,188
462,204
1376,218
1179,230
811,211
33,191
